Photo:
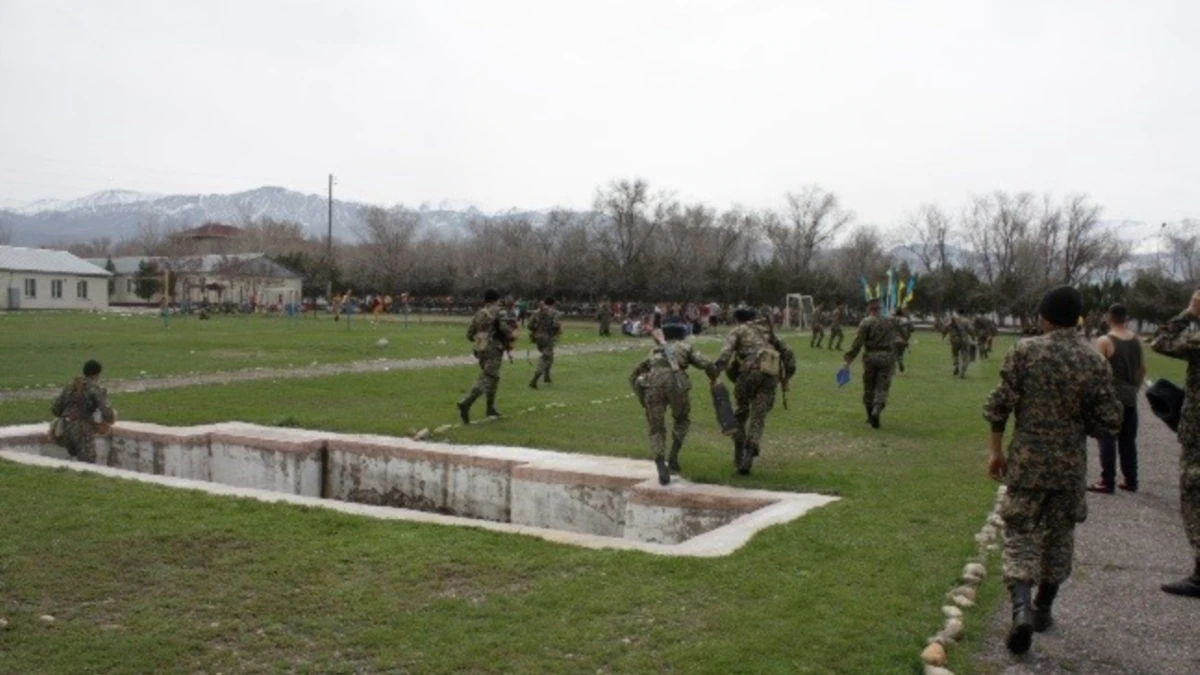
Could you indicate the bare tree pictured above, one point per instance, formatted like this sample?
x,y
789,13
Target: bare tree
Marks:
x,y
1085,242
388,246
1183,250
808,223
6,234
623,236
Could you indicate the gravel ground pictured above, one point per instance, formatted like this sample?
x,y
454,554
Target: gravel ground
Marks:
x,y
1111,617
323,370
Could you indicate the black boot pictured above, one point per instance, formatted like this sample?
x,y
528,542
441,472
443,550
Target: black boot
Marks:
x,y
464,409
1188,586
673,458
739,444
901,365
749,452
664,475
870,418
1041,607
1020,635
533,382
546,377
491,406
875,413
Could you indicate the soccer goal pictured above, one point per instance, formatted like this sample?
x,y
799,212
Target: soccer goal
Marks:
x,y
798,311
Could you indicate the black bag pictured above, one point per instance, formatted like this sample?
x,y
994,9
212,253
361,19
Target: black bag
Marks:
x,y
1166,400
724,409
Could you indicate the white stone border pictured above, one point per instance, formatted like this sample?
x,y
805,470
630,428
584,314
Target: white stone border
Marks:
x,y
721,541
961,598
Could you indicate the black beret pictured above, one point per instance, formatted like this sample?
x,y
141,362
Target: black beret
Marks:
x,y
1061,306
744,314
91,368
674,331
491,295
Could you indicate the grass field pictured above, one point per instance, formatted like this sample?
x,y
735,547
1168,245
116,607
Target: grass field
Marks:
x,y
43,349
143,579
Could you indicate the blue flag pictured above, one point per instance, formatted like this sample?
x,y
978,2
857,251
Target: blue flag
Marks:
x,y
843,376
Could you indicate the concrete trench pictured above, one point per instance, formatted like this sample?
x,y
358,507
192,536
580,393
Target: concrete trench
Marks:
x,y
584,500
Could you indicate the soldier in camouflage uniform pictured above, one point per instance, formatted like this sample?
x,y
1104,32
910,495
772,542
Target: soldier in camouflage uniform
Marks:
x,y
961,334
491,336
757,363
661,382
77,405
876,338
903,327
1061,391
1174,339
835,327
544,329
985,332
818,328
605,316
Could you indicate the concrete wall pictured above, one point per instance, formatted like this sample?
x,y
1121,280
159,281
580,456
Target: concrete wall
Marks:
x,y
531,491
97,290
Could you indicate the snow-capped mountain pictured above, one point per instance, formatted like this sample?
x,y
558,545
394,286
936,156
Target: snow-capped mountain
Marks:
x,y
117,213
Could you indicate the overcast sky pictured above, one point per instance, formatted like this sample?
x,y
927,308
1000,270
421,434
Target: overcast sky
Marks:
x,y
535,104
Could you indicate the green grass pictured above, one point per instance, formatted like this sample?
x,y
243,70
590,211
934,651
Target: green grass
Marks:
x,y
145,579
47,349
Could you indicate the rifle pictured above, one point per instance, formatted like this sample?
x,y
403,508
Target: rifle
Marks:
x,y
783,378
661,341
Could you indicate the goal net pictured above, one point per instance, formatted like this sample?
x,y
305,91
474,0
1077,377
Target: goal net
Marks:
x,y
798,311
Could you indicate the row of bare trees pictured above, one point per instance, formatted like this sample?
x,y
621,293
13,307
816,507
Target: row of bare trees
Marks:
x,y
998,251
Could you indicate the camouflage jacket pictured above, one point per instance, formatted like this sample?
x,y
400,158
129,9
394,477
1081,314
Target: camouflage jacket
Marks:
x,y
544,326
818,319
960,330
902,326
657,367
79,401
745,343
1061,391
491,320
836,318
876,335
1175,340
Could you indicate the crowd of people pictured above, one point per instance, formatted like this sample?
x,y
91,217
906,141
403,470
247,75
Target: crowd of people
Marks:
x,y
1059,387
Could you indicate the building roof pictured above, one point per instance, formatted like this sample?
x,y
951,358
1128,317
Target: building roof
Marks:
x,y
19,259
234,264
212,231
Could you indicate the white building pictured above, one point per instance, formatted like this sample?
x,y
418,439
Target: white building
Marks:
x,y
236,278
35,278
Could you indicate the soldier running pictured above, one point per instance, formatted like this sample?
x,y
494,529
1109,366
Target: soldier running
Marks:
x,y
661,382
77,405
491,336
756,360
835,327
878,338
904,329
961,334
544,330
605,316
818,328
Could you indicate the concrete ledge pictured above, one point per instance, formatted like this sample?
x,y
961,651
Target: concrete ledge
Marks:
x,y
584,500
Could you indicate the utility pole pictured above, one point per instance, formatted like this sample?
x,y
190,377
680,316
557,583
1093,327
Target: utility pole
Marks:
x,y
329,249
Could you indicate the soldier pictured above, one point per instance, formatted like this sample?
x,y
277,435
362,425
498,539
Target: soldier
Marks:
x,y
904,329
605,316
985,331
1176,340
878,338
1061,391
961,333
77,405
818,328
756,362
544,329
661,382
491,336
835,327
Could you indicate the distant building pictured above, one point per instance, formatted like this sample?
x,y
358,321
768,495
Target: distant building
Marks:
x,y
210,238
237,278
35,278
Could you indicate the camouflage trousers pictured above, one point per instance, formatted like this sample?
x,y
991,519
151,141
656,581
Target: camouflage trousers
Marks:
x,y
960,354
1039,533
80,442
835,333
877,378
605,326
1189,494
489,373
546,360
901,350
817,336
754,393
658,401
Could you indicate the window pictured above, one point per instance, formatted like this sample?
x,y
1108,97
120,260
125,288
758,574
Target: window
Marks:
x,y
56,288
31,288
81,290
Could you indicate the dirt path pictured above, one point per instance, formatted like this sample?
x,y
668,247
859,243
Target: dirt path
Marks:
x,y
376,366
